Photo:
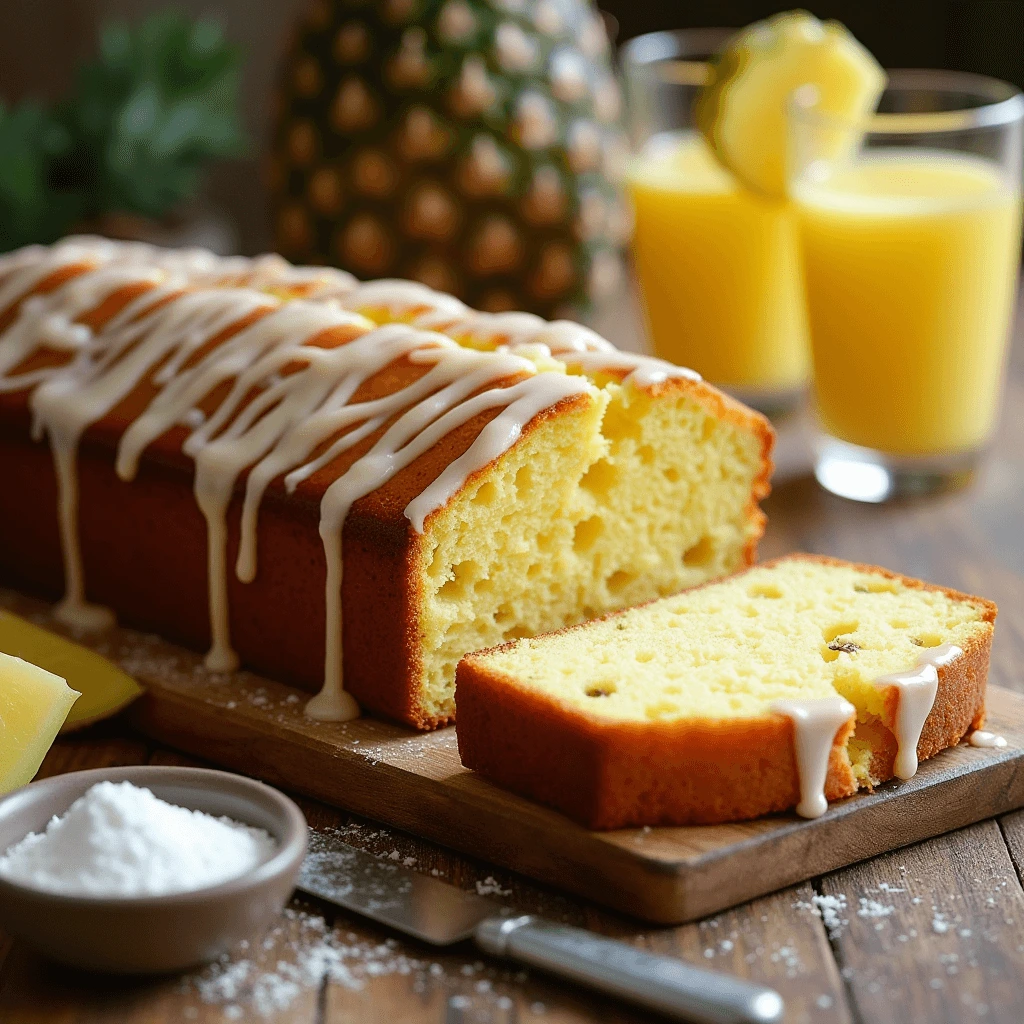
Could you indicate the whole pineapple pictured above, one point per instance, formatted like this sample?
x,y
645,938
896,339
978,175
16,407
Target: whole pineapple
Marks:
x,y
474,146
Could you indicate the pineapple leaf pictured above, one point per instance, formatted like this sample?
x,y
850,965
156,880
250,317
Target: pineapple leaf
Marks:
x,y
30,210
156,105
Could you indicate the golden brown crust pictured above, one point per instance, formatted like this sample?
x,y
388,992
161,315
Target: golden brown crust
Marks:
x,y
701,771
617,775
144,543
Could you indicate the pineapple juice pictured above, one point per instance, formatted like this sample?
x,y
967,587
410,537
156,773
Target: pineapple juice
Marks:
x,y
910,258
719,270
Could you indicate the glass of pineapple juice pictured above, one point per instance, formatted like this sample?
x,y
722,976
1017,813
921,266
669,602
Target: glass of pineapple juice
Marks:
x,y
910,227
718,265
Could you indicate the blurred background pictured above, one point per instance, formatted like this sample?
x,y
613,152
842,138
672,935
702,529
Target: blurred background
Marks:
x,y
42,42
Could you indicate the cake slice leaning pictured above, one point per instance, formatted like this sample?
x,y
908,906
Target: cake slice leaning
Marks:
x,y
790,684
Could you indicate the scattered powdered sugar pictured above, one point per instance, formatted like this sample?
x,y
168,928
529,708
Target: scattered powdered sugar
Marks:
x,y
872,908
829,908
121,840
303,953
491,887
315,954
789,957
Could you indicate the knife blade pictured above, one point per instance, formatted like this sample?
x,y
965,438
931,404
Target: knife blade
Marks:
x,y
443,915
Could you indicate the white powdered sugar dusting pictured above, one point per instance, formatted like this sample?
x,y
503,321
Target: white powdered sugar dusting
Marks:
x,y
119,840
304,953
872,908
314,955
491,887
829,908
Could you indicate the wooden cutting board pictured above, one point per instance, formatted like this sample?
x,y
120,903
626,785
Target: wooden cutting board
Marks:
x,y
415,781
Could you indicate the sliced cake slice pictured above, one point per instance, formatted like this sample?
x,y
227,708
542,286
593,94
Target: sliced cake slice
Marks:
x,y
785,686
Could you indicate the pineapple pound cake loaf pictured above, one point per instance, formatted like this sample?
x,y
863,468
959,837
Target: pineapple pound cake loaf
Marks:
x,y
784,686
345,486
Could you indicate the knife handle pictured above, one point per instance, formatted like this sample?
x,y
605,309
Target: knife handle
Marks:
x,y
668,986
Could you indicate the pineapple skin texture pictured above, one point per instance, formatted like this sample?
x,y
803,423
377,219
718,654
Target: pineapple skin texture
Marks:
x,y
476,147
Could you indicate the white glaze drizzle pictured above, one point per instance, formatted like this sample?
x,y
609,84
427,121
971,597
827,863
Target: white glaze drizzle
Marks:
x,y
815,724
50,321
981,738
63,408
287,399
24,269
78,394
917,688
577,346
224,444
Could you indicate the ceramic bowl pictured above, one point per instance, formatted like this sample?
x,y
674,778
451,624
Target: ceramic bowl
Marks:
x,y
153,934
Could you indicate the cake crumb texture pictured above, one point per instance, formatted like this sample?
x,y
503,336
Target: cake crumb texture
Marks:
x,y
345,485
666,709
636,497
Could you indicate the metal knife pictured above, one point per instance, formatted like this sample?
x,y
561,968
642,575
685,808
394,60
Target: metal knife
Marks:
x,y
443,915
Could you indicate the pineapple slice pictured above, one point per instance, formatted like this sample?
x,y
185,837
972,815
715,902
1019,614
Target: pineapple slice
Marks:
x,y
33,705
743,106
105,689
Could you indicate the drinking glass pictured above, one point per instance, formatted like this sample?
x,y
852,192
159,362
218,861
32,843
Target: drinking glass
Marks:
x,y
910,224
718,265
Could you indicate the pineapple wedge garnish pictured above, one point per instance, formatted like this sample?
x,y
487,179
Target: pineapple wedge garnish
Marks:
x,y
33,705
104,688
742,109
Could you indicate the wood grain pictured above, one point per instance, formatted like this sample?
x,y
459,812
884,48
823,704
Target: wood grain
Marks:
x,y
951,947
416,782
970,540
767,941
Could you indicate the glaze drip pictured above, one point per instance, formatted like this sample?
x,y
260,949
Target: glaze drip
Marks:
x,y
917,688
981,738
137,340
815,724
284,374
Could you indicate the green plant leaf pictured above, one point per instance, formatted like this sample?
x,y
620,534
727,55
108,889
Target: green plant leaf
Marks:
x,y
31,209
156,106
148,114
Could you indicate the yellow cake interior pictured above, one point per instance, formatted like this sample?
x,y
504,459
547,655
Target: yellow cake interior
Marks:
x,y
627,500
793,630
635,487
634,498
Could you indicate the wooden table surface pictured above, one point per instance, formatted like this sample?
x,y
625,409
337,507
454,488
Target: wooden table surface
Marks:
x,y
933,932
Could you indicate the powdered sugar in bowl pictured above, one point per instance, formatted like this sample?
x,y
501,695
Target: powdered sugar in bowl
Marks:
x,y
166,872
